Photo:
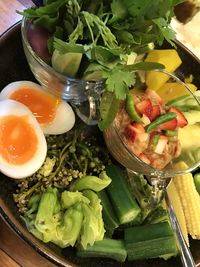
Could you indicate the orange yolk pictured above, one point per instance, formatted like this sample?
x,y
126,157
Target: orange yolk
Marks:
x,y
18,140
42,105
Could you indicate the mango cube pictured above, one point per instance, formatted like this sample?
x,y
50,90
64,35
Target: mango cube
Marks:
x,y
172,90
167,57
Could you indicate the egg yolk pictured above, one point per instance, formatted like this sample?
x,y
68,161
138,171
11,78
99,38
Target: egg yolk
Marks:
x,y
18,140
42,105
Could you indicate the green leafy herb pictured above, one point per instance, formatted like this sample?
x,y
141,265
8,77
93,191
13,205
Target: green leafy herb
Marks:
x,y
165,31
118,80
106,33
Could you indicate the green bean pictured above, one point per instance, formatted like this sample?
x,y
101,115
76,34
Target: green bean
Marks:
x,y
130,108
160,120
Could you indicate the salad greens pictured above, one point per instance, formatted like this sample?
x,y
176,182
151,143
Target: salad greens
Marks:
x,y
70,156
58,203
108,223
64,222
79,198
97,37
91,182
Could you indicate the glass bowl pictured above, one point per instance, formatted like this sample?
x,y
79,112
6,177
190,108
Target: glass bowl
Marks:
x,y
190,153
75,91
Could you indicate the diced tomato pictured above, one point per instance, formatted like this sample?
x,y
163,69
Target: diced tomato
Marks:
x,y
154,96
130,132
145,107
169,125
155,112
144,158
139,128
134,129
162,142
181,119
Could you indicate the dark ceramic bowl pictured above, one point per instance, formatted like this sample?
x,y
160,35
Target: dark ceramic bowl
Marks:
x,y
13,67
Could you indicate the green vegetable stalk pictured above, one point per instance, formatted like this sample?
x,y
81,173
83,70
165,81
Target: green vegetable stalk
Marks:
x,y
106,248
90,227
45,221
121,197
142,192
66,218
95,204
68,232
69,199
91,182
109,217
150,241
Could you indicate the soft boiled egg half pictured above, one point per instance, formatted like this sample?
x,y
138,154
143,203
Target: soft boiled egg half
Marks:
x,y
54,115
23,145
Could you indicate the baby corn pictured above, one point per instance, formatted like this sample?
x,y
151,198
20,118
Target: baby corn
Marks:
x,y
190,201
176,203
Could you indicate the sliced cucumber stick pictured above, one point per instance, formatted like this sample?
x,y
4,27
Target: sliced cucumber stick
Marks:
x,y
150,241
106,248
121,197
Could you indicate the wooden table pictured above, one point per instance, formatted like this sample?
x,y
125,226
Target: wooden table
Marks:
x,y
14,252
8,15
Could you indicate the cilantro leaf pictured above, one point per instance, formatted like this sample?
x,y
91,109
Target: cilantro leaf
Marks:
x,y
118,11
166,31
118,81
144,66
92,21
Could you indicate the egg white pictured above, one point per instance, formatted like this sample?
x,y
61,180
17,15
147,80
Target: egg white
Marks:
x,y
64,118
11,107
63,122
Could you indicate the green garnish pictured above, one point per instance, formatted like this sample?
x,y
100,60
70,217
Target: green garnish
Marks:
x,y
106,33
69,157
130,108
160,120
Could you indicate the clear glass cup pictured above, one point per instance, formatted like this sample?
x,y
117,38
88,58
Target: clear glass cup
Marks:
x,y
84,95
190,154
